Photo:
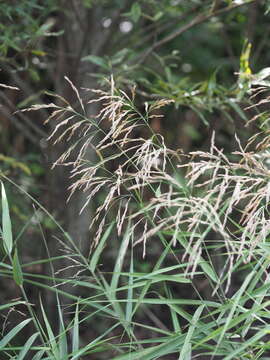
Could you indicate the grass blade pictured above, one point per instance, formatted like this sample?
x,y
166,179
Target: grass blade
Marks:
x,y
39,355
75,331
186,349
52,340
62,342
27,346
13,333
17,270
100,247
129,305
6,222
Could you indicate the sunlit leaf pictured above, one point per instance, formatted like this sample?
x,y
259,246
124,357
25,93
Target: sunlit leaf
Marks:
x,y
6,222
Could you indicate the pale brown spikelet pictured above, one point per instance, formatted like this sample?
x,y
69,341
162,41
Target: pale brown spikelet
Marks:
x,y
137,177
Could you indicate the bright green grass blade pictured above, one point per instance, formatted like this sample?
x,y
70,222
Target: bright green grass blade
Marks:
x,y
39,355
173,278
185,351
17,270
94,343
187,354
112,288
120,260
237,109
165,301
152,329
129,305
27,346
52,339
248,343
6,222
156,268
62,339
174,315
235,304
11,304
175,321
155,352
260,268
13,333
75,331
89,302
234,322
142,275
99,249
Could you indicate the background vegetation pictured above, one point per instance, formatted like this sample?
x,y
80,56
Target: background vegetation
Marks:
x,y
149,237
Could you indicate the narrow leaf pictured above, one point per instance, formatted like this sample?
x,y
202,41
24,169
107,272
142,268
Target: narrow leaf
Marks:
x,y
97,60
75,331
39,355
6,222
13,333
51,336
99,249
17,270
186,349
62,342
27,347
135,12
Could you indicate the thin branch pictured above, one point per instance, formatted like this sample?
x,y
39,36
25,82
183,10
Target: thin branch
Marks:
x,y
24,86
27,121
152,29
196,21
78,17
215,5
99,48
22,129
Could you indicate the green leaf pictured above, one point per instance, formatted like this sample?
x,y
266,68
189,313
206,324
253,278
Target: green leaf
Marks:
x,y
62,339
13,333
51,337
97,60
244,59
9,161
119,56
186,348
38,355
6,222
17,270
157,16
27,347
129,305
38,52
169,345
75,331
135,12
100,247
248,343
237,109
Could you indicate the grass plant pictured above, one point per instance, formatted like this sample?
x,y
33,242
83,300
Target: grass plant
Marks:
x,y
201,217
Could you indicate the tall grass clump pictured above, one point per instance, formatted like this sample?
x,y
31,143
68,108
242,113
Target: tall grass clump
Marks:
x,y
178,260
